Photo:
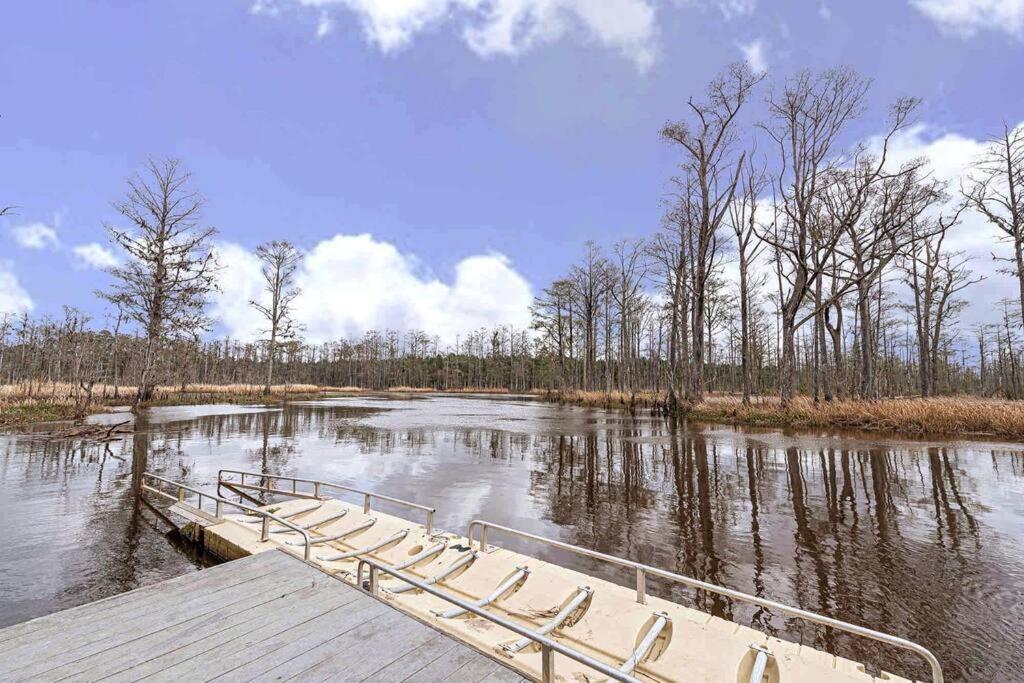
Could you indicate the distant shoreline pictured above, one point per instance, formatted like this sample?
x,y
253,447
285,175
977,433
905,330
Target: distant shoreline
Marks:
x,y
952,416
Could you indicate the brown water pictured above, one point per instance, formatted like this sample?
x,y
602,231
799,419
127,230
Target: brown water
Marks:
x,y
921,539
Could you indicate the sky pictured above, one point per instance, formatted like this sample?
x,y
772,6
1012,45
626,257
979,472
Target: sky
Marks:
x,y
438,161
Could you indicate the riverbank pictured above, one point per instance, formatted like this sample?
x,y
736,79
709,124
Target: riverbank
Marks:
x,y
946,416
21,405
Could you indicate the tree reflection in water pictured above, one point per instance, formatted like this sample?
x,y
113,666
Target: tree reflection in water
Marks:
x,y
920,540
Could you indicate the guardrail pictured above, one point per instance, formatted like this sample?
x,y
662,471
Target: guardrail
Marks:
x,y
643,570
182,489
317,491
548,646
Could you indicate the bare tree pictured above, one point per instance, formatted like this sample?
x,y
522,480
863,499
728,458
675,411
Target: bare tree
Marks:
x,y
997,191
711,174
935,277
279,261
743,220
169,271
809,114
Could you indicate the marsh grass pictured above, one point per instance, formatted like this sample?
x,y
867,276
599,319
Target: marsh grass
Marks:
x,y
947,415
21,404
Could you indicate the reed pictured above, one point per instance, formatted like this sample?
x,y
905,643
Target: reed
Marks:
x,y
946,415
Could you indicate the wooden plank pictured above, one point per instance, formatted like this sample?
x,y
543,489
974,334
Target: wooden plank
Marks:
x,y
205,658
269,616
231,622
348,657
441,668
414,661
91,638
254,662
115,606
482,669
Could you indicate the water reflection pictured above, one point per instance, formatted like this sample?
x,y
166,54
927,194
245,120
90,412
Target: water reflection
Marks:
x,y
918,539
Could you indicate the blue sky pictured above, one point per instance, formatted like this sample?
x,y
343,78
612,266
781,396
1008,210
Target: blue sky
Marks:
x,y
507,131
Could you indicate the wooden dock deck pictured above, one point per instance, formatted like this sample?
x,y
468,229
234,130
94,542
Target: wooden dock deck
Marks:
x,y
266,617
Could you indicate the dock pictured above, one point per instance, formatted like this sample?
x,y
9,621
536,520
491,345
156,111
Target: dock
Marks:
x,y
270,616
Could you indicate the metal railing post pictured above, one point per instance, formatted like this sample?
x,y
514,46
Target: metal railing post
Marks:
x,y
316,489
265,529
219,509
181,495
366,503
373,581
483,538
547,666
641,586
430,522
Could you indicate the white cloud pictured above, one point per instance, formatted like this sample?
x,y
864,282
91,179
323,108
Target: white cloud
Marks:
x,y
354,283
502,27
735,9
35,236
94,255
13,297
951,157
967,17
324,25
754,54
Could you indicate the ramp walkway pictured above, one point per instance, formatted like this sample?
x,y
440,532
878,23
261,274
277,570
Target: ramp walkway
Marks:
x,y
270,616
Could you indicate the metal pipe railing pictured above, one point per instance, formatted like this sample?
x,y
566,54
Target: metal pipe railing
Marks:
x,y
317,491
182,489
548,646
643,570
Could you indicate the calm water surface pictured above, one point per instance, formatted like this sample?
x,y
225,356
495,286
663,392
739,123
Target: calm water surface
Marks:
x,y
920,539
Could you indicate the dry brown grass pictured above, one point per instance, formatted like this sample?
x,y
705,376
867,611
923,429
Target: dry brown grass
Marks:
x,y
21,404
953,415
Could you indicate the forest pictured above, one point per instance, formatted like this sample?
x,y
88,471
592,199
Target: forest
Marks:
x,y
789,263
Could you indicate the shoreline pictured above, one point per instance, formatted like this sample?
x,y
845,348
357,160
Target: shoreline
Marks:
x,y
944,416
949,416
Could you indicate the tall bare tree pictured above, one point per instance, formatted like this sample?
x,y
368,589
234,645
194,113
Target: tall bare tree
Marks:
x,y
169,270
997,191
808,116
279,261
743,219
707,139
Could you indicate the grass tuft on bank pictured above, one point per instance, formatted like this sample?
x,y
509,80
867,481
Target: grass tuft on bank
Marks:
x,y
952,415
22,404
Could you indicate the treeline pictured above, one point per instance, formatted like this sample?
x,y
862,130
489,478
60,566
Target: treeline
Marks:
x,y
789,260
37,354
841,278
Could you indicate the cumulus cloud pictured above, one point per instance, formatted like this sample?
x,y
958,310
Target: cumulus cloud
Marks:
x,y
499,27
13,297
754,54
354,283
951,157
967,17
94,255
35,236
735,9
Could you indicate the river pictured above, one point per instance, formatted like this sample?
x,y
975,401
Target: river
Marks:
x,y
922,539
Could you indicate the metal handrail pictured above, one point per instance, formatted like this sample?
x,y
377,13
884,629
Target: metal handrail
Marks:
x,y
548,646
642,570
317,486
219,508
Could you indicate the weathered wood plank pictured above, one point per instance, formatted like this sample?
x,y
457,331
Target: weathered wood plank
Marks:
x,y
115,606
270,616
226,624
78,641
348,657
439,647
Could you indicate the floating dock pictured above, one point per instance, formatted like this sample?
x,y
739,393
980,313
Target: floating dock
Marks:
x,y
545,621
270,616
317,587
